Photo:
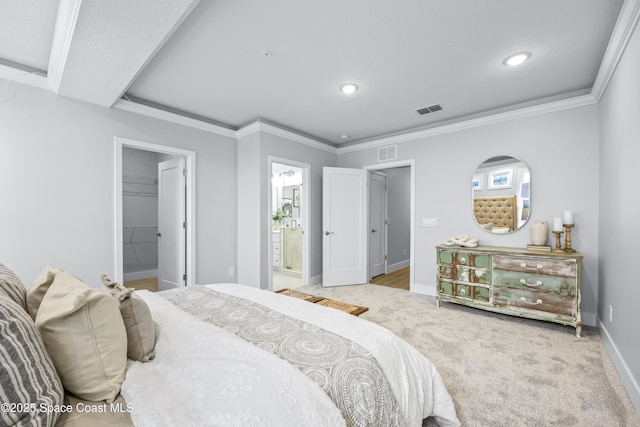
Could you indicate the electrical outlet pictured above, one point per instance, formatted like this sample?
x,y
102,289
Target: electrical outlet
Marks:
x,y
232,271
610,314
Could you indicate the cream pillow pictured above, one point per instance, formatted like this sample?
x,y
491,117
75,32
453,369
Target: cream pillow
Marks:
x,y
141,334
38,288
85,337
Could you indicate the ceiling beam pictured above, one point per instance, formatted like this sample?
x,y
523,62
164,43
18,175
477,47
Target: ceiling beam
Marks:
x,y
100,47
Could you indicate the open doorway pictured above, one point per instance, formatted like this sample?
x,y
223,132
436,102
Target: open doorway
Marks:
x,y
155,215
289,219
391,219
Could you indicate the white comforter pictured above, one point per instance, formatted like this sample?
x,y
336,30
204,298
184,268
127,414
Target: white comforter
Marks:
x,y
205,376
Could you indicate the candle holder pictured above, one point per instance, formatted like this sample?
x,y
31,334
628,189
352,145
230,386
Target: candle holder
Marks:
x,y
567,240
558,244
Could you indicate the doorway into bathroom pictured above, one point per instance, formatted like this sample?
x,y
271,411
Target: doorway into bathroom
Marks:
x,y
289,222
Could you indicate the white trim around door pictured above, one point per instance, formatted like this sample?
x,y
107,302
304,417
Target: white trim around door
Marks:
x,y
190,166
398,164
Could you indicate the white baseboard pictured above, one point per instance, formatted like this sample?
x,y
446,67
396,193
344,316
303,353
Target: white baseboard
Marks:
x,y
397,266
315,280
423,289
140,275
589,319
630,383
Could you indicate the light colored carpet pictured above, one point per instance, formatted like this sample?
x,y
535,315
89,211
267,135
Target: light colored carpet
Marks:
x,y
502,370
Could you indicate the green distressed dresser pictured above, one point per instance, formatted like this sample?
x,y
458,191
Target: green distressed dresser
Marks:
x,y
537,285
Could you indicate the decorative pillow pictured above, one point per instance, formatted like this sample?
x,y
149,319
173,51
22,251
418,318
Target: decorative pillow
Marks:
x,y
11,286
38,288
141,335
28,378
85,337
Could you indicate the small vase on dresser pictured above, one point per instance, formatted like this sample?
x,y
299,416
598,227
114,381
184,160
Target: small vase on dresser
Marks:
x,y
539,233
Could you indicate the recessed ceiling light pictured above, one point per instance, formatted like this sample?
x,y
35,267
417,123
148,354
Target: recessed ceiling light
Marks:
x,y
348,88
517,59
344,136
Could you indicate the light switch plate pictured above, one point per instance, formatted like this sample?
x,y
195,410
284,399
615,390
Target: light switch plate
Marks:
x,y
429,222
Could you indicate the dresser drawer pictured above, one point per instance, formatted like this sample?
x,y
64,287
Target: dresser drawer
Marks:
x,y
479,293
464,274
463,258
561,285
554,267
535,300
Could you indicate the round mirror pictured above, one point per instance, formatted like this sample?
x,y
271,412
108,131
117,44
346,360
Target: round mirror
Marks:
x,y
501,194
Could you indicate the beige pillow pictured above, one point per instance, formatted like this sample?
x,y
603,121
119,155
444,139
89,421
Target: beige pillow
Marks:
x,y
85,337
38,288
141,335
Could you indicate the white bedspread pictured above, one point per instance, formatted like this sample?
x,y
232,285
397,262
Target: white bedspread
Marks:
x,y
205,376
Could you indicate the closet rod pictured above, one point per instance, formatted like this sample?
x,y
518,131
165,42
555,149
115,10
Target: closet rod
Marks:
x,y
142,227
139,193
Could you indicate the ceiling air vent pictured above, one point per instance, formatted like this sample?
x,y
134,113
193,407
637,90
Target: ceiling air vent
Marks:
x,y
430,109
389,152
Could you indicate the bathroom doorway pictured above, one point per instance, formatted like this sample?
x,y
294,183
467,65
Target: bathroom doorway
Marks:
x,y
289,222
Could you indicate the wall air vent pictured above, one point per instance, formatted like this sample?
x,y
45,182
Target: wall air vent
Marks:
x,y
389,152
430,109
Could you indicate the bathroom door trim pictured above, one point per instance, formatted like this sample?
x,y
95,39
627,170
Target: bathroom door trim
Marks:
x,y
190,167
305,204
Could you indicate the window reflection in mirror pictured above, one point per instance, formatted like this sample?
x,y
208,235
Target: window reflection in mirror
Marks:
x,y
501,194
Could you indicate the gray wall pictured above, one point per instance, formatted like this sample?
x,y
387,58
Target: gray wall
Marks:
x,y
619,214
254,232
57,186
139,209
561,150
399,213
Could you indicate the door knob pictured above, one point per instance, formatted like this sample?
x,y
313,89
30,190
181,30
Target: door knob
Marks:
x,y
373,230
159,234
326,233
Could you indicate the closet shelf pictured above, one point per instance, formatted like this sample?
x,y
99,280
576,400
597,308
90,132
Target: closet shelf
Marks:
x,y
139,193
135,178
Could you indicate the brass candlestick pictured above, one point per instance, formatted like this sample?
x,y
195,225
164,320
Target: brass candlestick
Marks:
x,y
558,244
567,240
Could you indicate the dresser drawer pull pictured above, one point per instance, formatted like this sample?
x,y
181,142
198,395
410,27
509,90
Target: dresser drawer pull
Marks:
x,y
537,267
463,291
524,282
463,260
524,300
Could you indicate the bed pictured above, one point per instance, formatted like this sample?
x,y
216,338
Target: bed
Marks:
x,y
496,214
233,355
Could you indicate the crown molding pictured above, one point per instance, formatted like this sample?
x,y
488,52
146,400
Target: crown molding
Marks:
x,y
31,78
157,113
259,126
622,32
578,101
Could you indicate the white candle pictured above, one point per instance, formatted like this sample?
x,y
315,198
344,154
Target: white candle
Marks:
x,y
567,217
557,224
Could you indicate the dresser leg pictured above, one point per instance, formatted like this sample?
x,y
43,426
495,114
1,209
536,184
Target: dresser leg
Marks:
x,y
437,302
578,330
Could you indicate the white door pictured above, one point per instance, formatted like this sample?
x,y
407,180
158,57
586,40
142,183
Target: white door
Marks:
x,y
377,224
171,224
344,226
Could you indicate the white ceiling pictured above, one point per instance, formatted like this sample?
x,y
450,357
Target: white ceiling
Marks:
x,y
232,62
